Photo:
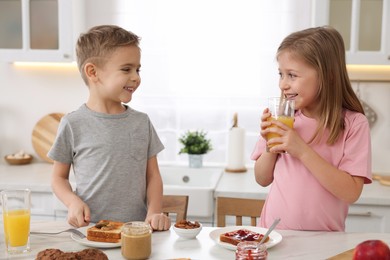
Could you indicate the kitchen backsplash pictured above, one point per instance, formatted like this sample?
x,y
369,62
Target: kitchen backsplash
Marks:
x,y
173,116
29,94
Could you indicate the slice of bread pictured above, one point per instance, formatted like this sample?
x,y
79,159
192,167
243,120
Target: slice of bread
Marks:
x,y
240,235
105,231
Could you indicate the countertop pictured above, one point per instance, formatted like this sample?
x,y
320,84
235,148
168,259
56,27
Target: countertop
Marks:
x,y
167,245
243,185
36,177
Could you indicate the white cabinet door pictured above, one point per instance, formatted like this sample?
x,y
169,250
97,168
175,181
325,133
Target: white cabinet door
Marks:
x,y
42,203
368,218
40,30
364,25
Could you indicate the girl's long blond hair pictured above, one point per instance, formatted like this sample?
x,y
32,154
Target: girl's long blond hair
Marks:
x,y
323,49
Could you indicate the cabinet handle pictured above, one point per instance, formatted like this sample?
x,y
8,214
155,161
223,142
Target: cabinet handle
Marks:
x,y
360,214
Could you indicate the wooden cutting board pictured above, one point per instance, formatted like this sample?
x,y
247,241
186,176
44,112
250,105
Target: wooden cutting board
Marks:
x,y
347,255
44,134
383,179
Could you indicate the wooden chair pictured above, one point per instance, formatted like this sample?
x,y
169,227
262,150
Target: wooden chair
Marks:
x,y
177,204
239,208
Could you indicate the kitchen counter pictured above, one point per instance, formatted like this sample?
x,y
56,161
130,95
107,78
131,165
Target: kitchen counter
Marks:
x,y
167,245
371,213
243,185
35,176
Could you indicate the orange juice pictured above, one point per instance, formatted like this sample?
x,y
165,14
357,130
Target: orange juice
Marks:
x,y
16,226
289,121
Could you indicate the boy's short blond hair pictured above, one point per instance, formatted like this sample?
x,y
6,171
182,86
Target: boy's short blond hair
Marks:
x,y
99,43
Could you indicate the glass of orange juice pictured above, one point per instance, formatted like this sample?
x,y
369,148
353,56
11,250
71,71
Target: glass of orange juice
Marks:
x,y
16,218
283,110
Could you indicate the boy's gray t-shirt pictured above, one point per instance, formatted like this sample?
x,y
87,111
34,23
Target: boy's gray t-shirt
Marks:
x,y
109,154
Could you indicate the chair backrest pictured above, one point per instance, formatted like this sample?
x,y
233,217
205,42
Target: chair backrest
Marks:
x,y
177,204
239,208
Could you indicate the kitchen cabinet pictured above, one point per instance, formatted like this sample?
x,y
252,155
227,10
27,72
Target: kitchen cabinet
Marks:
x,y
40,30
364,25
368,218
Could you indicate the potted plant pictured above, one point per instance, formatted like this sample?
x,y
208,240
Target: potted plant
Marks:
x,y
195,144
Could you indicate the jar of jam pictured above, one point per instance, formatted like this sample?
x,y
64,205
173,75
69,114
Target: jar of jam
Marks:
x,y
251,250
136,240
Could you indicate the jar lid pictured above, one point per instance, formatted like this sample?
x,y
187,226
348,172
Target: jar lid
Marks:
x,y
136,228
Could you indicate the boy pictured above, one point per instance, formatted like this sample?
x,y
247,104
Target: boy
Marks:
x,y
111,147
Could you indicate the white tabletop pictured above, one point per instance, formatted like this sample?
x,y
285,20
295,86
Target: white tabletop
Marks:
x,y
167,245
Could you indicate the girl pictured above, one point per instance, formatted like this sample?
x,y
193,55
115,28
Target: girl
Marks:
x,y
328,152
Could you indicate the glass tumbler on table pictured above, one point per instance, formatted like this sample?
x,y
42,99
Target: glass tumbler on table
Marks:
x,y
16,206
283,110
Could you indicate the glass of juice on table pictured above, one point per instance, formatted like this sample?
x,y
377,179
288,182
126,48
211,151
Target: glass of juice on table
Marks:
x,y
16,206
281,109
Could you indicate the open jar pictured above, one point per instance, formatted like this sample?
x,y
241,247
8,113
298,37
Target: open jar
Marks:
x,y
251,250
136,240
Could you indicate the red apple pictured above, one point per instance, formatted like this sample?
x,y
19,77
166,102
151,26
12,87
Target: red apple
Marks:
x,y
372,250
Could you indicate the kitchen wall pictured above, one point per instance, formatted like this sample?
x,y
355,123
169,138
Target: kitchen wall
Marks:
x,y
202,61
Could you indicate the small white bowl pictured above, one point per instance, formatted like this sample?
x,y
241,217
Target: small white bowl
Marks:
x,y
187,233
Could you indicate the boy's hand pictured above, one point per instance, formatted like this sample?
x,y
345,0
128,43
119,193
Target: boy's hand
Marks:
x,y
159,221
79,214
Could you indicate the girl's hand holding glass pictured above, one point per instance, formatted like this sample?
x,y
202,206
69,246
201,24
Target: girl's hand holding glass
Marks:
x,y
282,110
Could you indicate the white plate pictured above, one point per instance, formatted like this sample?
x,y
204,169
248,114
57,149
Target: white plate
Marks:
x,y
86,242
274,238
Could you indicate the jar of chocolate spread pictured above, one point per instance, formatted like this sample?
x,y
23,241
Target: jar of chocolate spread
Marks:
x,y
136,240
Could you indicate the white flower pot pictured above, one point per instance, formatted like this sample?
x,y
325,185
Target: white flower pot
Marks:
x,y
195,160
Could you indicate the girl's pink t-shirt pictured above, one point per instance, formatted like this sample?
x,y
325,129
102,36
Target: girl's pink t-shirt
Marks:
x,y
296,196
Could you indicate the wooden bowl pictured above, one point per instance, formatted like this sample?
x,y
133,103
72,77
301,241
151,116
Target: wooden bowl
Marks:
x,y
18,161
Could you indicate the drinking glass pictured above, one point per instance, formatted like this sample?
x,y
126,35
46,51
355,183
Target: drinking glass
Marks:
x,y
281,109
16,218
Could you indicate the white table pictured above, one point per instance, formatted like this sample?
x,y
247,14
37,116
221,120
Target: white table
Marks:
x,y
167,245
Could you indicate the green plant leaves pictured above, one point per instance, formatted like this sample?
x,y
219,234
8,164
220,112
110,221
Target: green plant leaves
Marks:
x,y
195,142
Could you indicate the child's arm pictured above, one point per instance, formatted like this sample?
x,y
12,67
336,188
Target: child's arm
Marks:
x,y
78,211
265,164
264,168
338,182
154,194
